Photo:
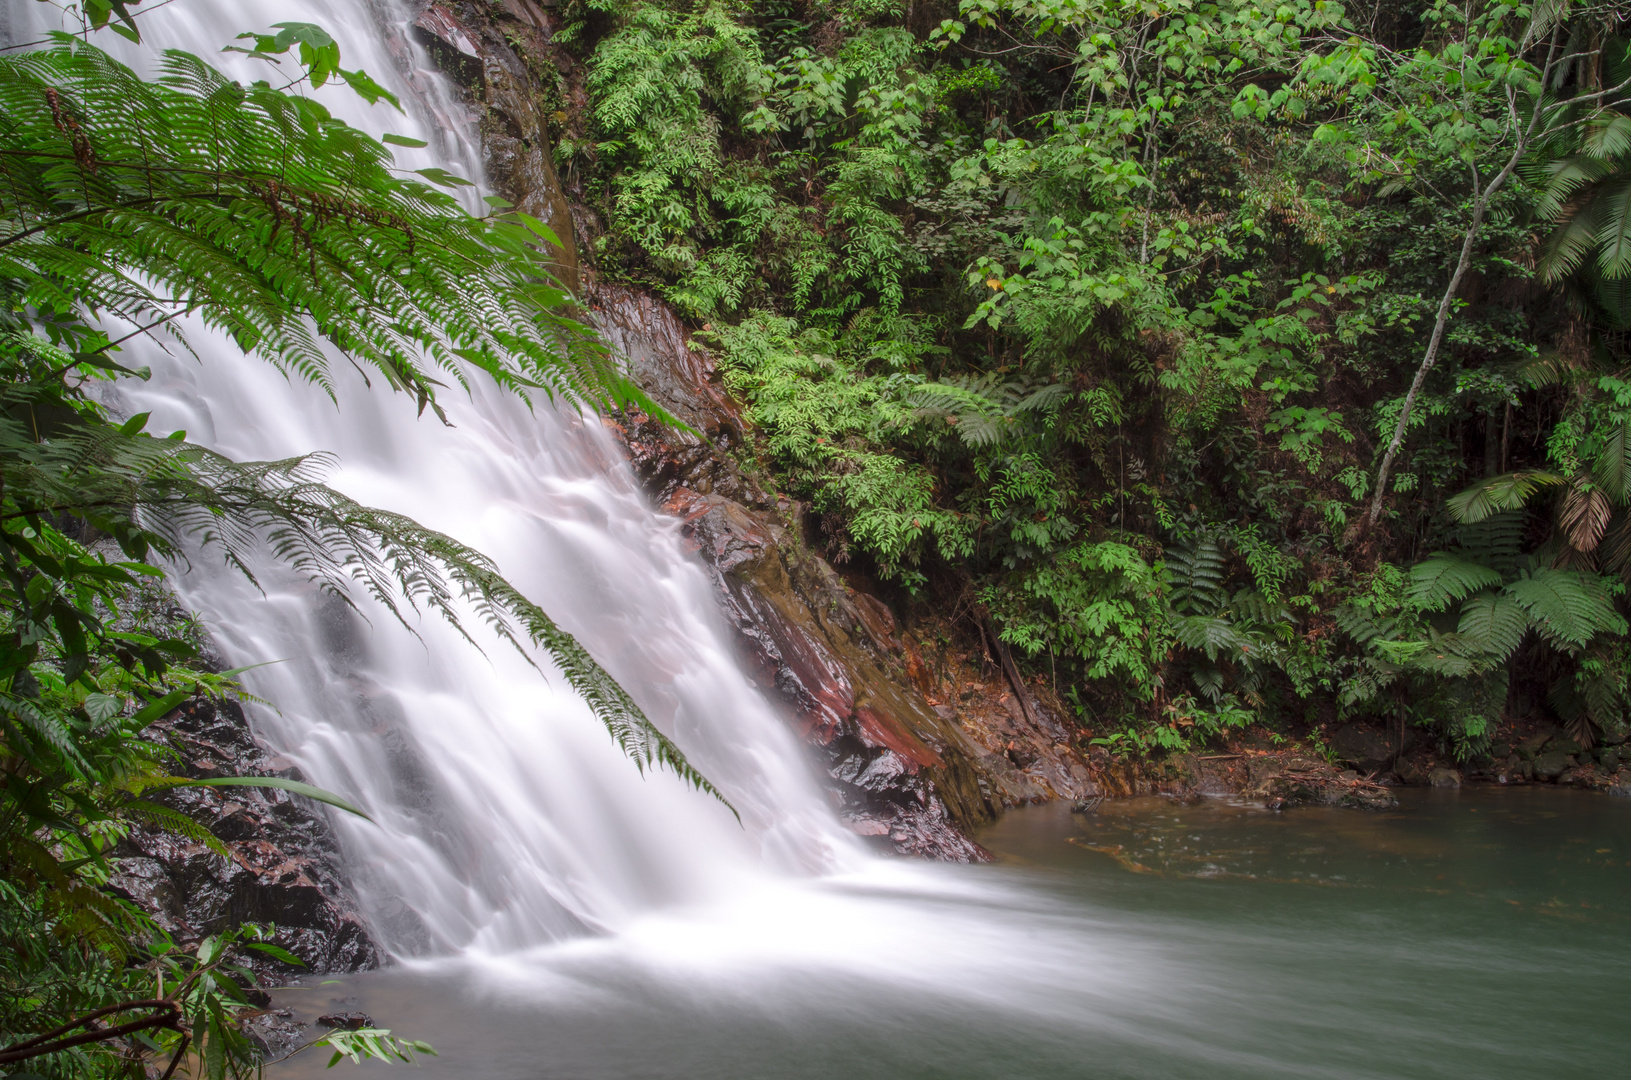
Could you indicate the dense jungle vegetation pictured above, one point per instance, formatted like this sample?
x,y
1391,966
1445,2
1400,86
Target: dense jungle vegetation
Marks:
x,y
1243,360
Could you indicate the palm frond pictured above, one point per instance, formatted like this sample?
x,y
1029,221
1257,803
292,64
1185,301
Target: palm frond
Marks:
x,y
1584,514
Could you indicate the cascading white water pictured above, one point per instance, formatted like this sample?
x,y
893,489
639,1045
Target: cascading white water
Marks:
x,y
506,817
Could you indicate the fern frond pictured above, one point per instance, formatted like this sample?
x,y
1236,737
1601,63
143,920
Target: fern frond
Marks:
x,y
175,821
1498,494
1360,624
1493,624
1195,573
1496,541
168,495
1442,578
1252,606
269,220
1568,607
1208,633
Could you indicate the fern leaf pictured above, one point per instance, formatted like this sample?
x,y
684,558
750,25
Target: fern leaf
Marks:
x,y
1443,578
1497,542
1510,491
1208,633
175,821
1359,623
1493,624
168,494
1568,607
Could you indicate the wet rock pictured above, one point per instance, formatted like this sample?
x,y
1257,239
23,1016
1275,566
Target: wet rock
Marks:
x,y
1608,757
347,1021
1409,772
1364,747
1368,797
282,866
1444,778
1613,738
479,46
1551,764
1585,775
1529,748
275,1031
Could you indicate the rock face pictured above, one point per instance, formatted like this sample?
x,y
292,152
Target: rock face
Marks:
x,y
475,45
282,866
899,771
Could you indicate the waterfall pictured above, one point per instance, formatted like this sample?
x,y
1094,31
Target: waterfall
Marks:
x,y
504,817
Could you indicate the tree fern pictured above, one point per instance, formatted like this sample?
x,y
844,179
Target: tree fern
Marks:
x,y
1569,608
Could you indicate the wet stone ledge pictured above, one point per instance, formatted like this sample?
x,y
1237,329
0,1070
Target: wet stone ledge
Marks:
x,y
282,866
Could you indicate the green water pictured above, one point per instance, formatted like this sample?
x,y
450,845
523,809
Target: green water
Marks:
x,y
1481,933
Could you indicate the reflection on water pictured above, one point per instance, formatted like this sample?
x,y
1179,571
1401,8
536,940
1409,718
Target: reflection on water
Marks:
x,y
1471,934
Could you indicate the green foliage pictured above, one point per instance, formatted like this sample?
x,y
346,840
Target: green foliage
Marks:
x,y
255,211
1098,603
1179,266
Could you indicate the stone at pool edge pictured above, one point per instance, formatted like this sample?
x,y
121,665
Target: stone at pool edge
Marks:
x,y
1551,764
1444,778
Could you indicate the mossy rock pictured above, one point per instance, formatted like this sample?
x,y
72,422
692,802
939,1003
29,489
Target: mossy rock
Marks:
x,y
1551,764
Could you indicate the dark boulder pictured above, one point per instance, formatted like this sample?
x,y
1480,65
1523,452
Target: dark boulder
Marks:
x,y
1444,778
1551,764
282,865
1364,747
1531,746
